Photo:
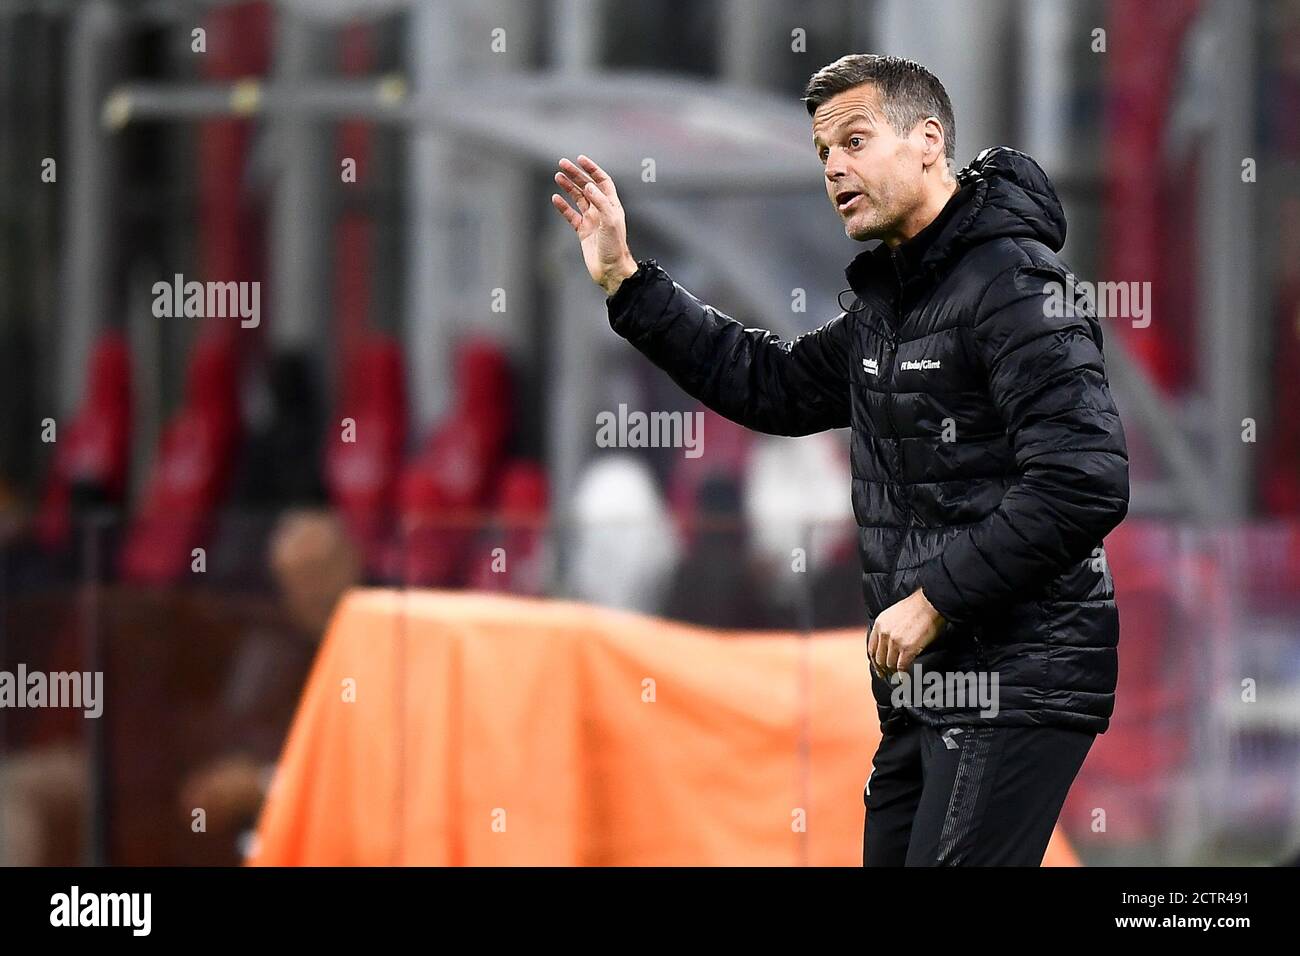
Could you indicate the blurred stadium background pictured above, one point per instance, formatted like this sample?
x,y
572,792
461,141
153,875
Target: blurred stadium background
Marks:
x,y
439,303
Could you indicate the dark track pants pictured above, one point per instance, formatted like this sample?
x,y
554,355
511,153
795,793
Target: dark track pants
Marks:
x,y
984,796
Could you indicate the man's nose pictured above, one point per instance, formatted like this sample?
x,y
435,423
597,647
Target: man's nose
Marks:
x,y
834,166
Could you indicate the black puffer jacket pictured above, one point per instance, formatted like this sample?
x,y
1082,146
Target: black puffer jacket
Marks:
x,y
988,459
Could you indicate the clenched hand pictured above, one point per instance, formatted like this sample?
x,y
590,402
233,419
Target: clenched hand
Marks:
x,y
901,632
598,221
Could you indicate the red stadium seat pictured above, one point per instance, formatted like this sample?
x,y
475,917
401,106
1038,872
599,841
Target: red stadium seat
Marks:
x,y
522,503
361,473
442,490
93,451
191,472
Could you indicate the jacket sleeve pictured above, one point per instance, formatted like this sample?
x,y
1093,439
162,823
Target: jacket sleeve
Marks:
x,y
750,376
1047,378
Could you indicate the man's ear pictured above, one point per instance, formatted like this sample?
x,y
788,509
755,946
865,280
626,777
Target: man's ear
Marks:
x,y
933,132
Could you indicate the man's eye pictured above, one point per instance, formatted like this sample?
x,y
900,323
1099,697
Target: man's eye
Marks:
x,y
855,141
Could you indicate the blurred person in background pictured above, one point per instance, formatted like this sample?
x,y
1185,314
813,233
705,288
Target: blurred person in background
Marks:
x,y
624,545
314,564
793,490
988,458
43,797
719,583
279,467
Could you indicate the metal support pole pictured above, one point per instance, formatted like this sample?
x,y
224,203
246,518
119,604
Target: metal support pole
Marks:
x,y
1230,320
751,34
578,35
299,265
429,235
571,349
87,171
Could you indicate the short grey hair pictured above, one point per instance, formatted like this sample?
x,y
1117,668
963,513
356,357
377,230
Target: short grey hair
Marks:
x,y
908,91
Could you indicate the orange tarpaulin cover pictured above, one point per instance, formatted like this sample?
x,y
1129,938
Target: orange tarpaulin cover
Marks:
x,y
442,728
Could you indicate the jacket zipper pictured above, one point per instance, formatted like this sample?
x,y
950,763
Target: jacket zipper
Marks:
x,y
902,462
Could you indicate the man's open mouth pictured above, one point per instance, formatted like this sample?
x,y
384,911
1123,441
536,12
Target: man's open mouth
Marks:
x,y
846,199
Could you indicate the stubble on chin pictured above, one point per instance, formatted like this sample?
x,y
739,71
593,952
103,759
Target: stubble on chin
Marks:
x,y
862,232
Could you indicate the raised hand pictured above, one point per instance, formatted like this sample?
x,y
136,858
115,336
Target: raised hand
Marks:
x,y
598,221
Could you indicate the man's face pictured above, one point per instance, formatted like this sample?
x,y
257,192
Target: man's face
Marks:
x,y
873,175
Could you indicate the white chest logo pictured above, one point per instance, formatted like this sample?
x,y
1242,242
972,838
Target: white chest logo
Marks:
x,y
869,365
919,366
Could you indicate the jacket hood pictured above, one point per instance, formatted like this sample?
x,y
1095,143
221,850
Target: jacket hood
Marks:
x,y
1013,198
1003,193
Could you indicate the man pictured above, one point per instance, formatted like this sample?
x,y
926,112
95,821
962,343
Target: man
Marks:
x,y
988,460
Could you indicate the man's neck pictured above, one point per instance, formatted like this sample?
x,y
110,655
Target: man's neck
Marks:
x,y
924,214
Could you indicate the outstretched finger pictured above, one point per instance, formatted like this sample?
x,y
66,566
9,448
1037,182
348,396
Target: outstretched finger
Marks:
x,y
598,175
573,189
568,212
604,205
574,173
